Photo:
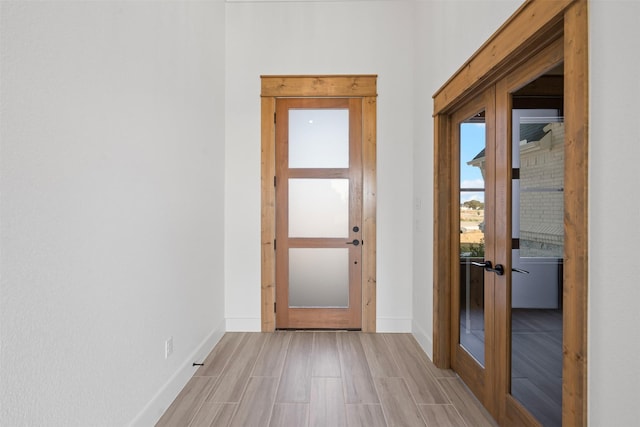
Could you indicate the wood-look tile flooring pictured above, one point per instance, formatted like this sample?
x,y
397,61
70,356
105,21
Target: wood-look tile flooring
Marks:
x,y
329,379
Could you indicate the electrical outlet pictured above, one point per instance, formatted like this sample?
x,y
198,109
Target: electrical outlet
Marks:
x,y
168,347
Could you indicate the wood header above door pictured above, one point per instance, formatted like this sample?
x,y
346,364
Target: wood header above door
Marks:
x,y
319,86
527,31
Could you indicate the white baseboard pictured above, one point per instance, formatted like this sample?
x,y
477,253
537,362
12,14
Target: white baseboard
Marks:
x,y
393,324
423,339
244,325
151,413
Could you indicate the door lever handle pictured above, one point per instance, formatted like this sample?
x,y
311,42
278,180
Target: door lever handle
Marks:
x,y
488,266
481,264
354,242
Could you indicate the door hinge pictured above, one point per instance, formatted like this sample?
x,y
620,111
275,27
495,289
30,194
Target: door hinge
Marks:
x,y
274,244
274,180
274,307
515,173
274,117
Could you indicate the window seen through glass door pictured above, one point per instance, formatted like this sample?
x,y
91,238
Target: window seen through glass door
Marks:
x,y
471,202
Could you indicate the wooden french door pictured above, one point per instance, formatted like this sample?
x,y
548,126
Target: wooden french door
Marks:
x,y
319,237
530,239
508,279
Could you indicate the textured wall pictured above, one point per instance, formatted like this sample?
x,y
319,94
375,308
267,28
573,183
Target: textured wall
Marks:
x,y
614,210
112,221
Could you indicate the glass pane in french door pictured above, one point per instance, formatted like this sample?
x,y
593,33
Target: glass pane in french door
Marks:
x,y
471,202
537,260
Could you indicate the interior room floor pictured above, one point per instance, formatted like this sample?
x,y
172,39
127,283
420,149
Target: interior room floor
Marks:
x,y
536,377
299,379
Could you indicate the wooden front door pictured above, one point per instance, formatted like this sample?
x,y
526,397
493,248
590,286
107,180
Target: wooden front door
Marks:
x,y
319,226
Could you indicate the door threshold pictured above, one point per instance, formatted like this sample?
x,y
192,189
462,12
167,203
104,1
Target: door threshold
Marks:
x,y
319,329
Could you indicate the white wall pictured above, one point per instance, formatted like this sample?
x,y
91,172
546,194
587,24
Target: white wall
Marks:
x,y
112,209
351,37
614,210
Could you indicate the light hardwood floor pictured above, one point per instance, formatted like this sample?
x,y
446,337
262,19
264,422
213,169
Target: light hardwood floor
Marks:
x,y
328,379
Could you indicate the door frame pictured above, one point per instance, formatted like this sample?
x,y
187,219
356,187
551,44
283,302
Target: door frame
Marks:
x,y
362,87
534,26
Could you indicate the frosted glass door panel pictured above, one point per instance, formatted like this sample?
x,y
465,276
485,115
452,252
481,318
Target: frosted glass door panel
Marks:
x,y
319,138
318,277
318,207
